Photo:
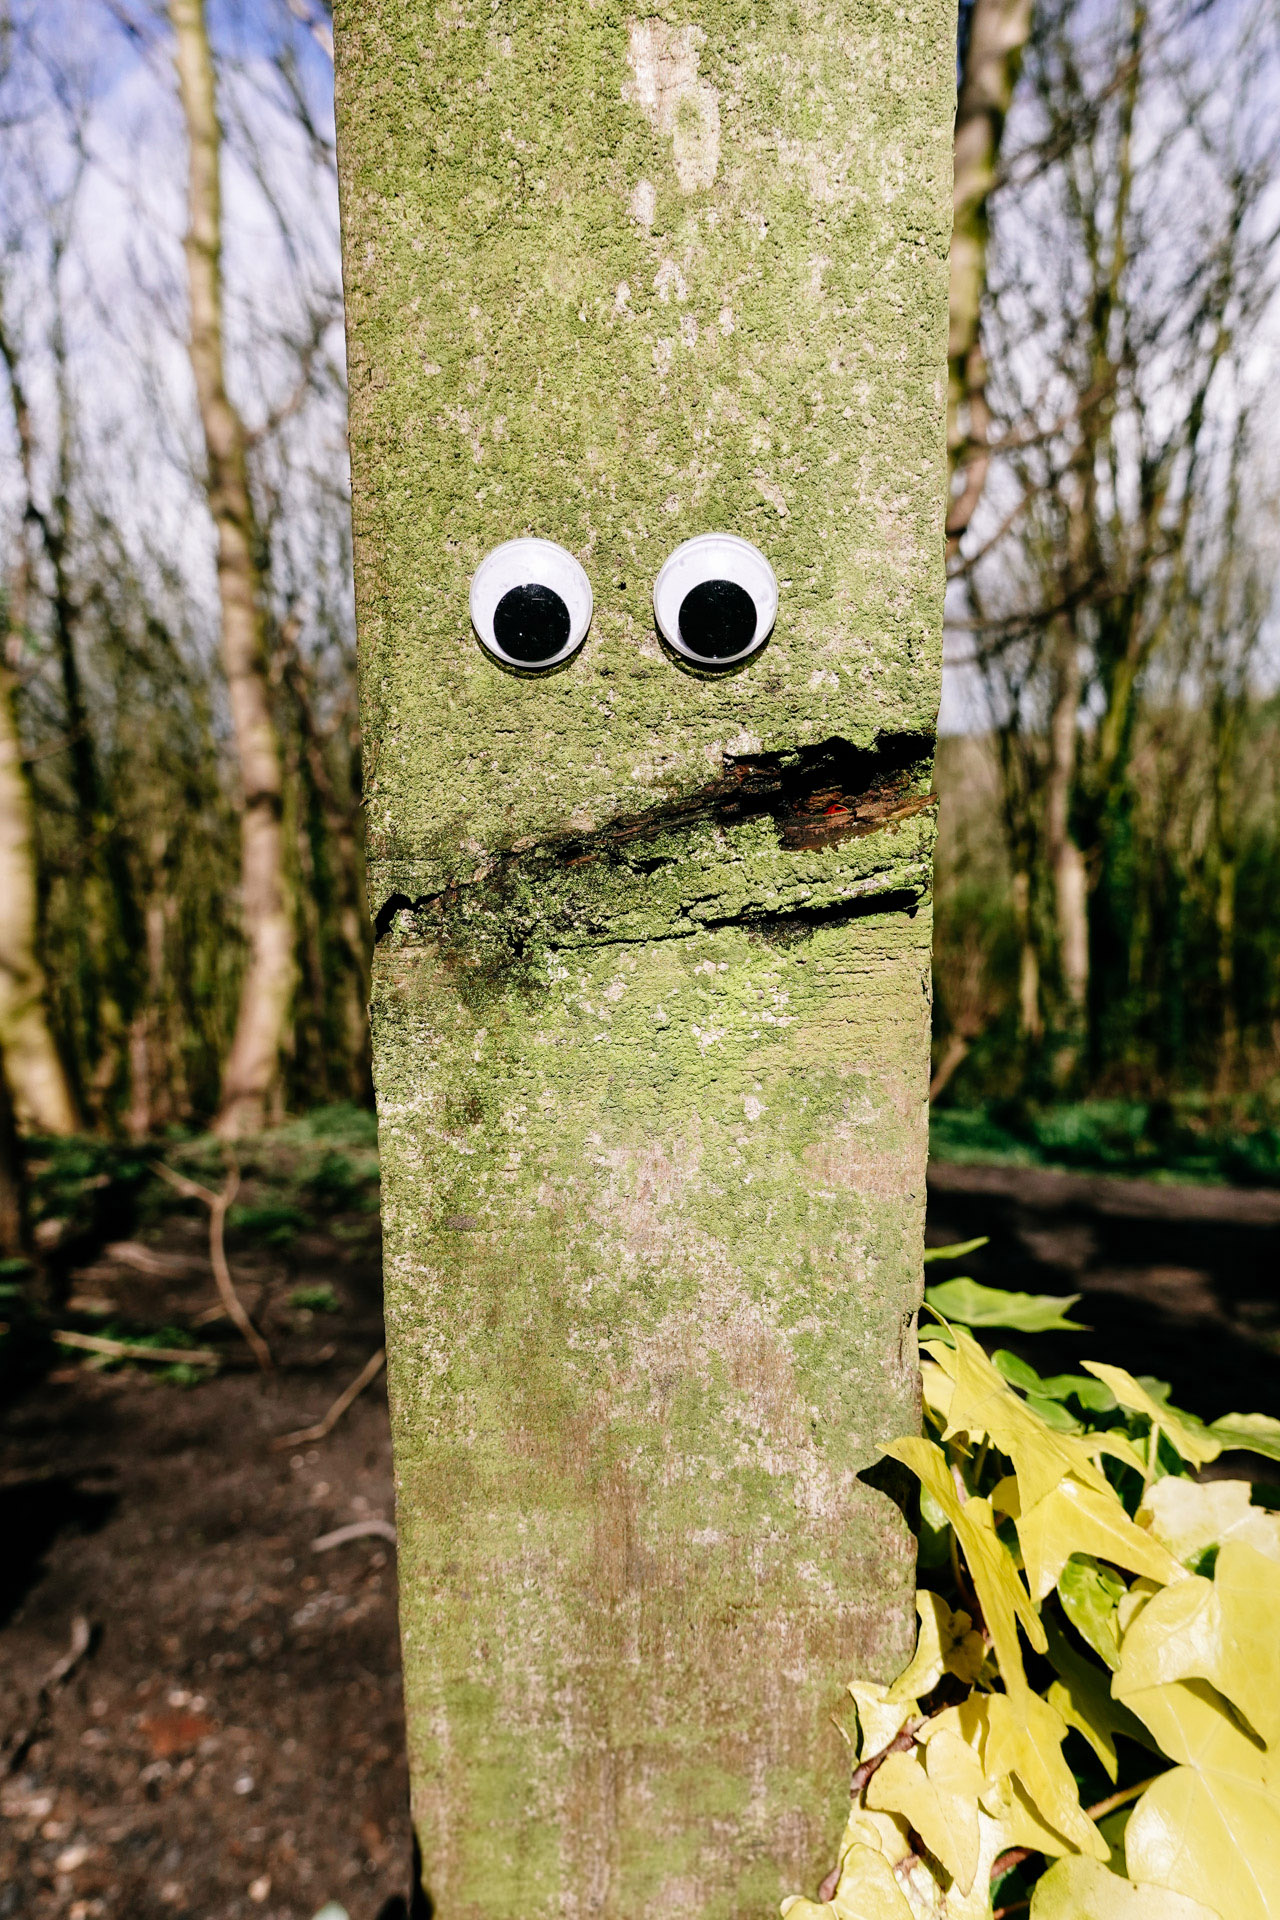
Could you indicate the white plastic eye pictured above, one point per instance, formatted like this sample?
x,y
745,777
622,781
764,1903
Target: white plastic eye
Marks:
x,y
716,600
530,604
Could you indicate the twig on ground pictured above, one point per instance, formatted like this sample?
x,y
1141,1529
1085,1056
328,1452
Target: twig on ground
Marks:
x,y
305,1435
156,1266
61,1670
357,1530
130,1350
218,1204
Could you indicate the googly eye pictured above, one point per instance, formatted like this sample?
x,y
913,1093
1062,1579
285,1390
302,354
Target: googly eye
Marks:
x,y
716,600
530,604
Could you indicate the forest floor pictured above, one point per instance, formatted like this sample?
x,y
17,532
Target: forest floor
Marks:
x,y
228,1741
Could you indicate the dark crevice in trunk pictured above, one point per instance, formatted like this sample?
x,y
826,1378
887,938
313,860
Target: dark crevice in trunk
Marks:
x,y
816,796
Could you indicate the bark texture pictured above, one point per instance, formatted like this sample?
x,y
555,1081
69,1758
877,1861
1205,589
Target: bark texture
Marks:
x,y
651,1001
252,1065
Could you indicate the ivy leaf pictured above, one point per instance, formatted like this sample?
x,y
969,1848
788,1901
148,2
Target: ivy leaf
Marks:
x,y
1000,1592
1225,1630
1080,1889
973,1305
983,1404
1210,1828
1017,1371
1189,1517
1082,1695
868,1890
1190,1436
1075,1519
945,1643
941,1805
956,1252
1091,1597
1249,1433
1023,1738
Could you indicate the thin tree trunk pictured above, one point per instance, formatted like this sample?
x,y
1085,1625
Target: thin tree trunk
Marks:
x,y
1066,863
14,1237
253,1064
1225,895
148,1102
37,1078
342,819
1030,1024
997,34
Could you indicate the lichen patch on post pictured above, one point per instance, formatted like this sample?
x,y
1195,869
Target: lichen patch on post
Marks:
x,y
668,91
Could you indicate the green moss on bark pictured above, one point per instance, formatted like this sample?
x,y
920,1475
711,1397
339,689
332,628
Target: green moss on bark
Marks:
x,y
651,1073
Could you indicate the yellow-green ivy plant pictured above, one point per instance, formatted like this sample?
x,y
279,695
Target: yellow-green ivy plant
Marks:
x,y
1076,1580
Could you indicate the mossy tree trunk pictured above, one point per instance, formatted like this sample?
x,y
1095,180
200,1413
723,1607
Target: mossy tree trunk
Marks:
x,y
651,1000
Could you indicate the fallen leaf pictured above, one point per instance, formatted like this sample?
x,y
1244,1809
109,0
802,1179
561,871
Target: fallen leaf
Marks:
x,y
170,1733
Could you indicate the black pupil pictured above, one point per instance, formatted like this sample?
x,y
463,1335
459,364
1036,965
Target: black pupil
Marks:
x,y
717,619
531,624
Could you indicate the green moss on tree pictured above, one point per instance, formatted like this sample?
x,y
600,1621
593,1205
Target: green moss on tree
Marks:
x,y
651,1065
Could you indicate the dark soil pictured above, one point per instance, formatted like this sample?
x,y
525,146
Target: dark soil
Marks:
x,y
1182,1282
231,1742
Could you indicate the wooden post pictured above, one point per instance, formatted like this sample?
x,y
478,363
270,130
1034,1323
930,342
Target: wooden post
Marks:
x,y
651,999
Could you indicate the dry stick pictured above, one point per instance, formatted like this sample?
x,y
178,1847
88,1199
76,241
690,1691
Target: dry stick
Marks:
x,y
129,1350
217,1204
902,1742
357,1530
368,1372
62,1668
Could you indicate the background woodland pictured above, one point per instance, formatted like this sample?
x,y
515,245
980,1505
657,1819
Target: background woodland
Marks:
x,y
183,928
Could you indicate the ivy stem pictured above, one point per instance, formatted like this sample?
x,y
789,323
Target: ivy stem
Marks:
x,y
1153,1455
1114,1800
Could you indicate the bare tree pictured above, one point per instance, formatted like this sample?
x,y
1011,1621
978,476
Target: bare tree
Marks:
x,y
253,1064
1134,266
993,34
35,1076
